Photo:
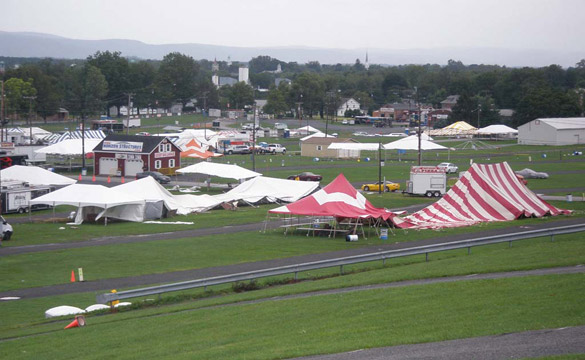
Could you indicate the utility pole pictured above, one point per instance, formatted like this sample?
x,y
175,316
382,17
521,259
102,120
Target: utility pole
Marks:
x,y
2,112
254,141
30,99
129,112
419,127
478,112
206,114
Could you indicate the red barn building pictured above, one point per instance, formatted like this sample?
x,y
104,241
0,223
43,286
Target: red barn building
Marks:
x,y
127,155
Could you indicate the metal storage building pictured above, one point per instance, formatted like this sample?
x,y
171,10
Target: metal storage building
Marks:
x,y
552,131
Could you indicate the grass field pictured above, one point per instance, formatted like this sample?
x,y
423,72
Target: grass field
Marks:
x,y
195,325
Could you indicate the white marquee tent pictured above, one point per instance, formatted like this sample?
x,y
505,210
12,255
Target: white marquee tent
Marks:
x,y
228,171
70,147
411,143
157,198
497,130
269,189
34,175
96,200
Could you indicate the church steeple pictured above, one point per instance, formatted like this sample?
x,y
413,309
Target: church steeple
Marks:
x,y
367,64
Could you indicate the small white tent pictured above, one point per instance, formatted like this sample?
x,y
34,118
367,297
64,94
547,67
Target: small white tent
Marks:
x,y
96,200
34,175
497,130
221,170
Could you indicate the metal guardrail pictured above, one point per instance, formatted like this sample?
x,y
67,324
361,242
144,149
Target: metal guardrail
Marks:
x,y
341,262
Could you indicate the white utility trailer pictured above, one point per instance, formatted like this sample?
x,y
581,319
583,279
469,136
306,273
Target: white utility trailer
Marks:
x,y
430,181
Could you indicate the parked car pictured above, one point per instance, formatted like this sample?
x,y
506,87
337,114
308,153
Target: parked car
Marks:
x,y
449,168
306,176
162,179
276,148
6,229
389,186
238,149
260,147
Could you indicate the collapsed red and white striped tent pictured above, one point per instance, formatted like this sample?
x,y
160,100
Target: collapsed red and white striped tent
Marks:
x,y
339,199
486,192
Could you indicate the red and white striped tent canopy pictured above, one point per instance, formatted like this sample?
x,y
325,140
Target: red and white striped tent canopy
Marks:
x,y
339,199
486,192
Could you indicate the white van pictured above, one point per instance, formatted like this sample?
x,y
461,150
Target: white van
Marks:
x,y
280,126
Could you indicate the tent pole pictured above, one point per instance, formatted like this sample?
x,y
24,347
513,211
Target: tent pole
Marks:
x,y
53,212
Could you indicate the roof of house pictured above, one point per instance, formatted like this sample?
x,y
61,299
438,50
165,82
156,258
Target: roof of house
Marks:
x,y
149,143
326,140
451,99
564,123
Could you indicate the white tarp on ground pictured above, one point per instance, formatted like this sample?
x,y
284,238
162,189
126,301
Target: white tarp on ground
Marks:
x,y
228,171
70,147
497,130
34,175
63,311
198,203
411,143
270,190
96,199
152,192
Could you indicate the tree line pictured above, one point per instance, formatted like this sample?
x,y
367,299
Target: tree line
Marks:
x,y
92,86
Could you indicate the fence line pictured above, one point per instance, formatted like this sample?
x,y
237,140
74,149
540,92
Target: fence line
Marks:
x,y
341,262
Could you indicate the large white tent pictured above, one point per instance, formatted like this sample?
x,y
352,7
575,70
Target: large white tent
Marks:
x,y
34,175
228,171
497,130
95,200
411,143
269,189
156,196
70,147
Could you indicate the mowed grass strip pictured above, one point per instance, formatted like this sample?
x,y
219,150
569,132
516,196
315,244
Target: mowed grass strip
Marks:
x,y
133,259
327,324
22,317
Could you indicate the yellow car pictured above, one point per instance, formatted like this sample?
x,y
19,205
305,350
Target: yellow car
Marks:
x,y
389,186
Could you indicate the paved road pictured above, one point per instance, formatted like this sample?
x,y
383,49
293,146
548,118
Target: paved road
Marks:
x,y
193,274
529,344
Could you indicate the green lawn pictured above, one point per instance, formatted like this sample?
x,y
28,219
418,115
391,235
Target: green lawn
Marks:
x,y
324,324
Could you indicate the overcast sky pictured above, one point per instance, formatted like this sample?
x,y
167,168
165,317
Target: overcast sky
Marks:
x,y
345,24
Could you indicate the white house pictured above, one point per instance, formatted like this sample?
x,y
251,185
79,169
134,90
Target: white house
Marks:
x,y
347,104
552,131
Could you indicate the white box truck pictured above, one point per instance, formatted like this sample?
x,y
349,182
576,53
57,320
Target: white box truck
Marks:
x,y
132,123
430,181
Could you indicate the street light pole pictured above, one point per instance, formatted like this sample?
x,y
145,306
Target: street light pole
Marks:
x,y
254,141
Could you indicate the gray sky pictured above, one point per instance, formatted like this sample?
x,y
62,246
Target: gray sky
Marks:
x,y
345,24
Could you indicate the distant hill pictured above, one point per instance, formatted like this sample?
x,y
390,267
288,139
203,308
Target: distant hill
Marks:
x,y
27,44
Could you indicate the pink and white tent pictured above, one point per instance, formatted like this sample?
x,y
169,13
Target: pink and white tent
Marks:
x,y
485,193
339,199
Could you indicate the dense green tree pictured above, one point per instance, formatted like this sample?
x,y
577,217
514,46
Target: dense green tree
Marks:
x,y
276,101
240,94
142,75
176,79
309,89
48,92
19,96
465,110
546,102
85,91
262,80
263,63
116,71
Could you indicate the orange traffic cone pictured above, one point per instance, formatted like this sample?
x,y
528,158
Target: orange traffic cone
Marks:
x,y
93,178
123,180
72,276
109,180
79,178
78,322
